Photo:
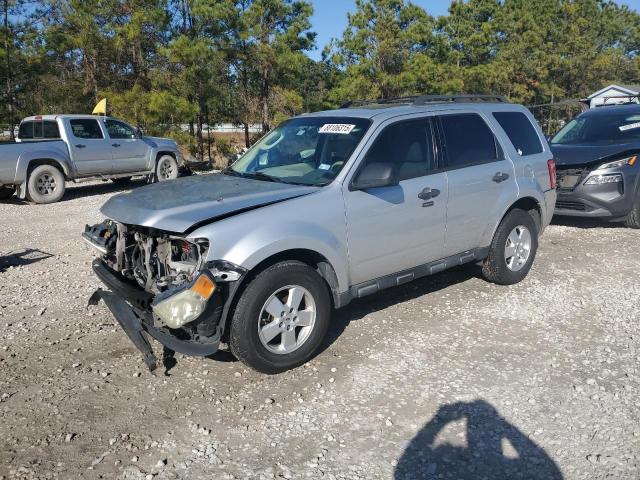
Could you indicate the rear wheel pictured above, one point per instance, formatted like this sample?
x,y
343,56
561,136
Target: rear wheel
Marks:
x,y
281,318
633,219
167,168
6,192
512,250
45,184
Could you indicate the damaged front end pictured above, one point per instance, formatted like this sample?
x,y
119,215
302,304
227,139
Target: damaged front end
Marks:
x,y
161,284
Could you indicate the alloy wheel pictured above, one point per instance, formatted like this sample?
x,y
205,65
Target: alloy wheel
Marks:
x,y
518,248
287,319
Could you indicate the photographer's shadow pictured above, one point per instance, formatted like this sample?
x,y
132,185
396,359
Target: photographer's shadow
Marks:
x,y
495,449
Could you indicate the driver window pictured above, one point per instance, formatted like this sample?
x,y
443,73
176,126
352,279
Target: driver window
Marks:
x,y
119,130
407,145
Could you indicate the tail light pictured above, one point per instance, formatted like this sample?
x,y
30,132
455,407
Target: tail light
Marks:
x,y
553,179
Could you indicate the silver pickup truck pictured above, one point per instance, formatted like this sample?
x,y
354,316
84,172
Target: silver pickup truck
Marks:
x,y
51,149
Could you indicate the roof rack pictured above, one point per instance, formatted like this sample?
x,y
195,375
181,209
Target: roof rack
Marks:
x,y
418,100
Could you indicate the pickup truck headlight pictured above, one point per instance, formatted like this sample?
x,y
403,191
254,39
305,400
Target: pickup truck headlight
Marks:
x,y
619,163
187,305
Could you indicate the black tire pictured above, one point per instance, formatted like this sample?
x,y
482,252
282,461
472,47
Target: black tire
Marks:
x,y
166,168
633,219
121,180
45,184
495,268
6,192
244,339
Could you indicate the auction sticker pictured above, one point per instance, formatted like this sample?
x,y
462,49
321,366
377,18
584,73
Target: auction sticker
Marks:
x,y
629,126
343,128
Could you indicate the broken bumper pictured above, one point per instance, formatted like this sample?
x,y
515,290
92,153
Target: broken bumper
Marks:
x,y
130,306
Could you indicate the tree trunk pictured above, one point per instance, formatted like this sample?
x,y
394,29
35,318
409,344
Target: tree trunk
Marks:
x,y
264,103
246,134
7,49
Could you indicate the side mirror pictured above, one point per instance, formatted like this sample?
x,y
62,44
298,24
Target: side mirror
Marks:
x,y
376,175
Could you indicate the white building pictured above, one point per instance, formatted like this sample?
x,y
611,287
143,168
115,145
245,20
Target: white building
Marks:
x,y
614,94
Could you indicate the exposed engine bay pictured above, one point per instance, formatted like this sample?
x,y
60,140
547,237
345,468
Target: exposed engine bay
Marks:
x,y
156,260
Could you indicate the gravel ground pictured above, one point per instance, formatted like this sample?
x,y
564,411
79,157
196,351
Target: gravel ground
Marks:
x,y
448,377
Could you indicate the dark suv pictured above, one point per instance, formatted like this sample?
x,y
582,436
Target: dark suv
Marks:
x,y
598,168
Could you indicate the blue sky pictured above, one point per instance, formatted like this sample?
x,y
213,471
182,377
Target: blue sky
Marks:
x,y
330,17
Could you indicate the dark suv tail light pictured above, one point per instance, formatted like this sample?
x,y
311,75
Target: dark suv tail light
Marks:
x,y
553,179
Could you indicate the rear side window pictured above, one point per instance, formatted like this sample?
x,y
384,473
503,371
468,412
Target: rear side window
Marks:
x,y
408,145
520,131
26,130
85,128
468,140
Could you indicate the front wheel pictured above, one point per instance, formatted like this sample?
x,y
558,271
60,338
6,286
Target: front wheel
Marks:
x,y
512,250
281,318
633,219
166,168
6,192
45,184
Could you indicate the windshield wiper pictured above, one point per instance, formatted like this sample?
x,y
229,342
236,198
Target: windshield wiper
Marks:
x,y
259,176
264,176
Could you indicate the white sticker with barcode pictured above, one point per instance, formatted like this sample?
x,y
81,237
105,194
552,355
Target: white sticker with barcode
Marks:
x,y
343,128
629,126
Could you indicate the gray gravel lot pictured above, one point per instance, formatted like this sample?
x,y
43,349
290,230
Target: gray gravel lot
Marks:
x,y
448,377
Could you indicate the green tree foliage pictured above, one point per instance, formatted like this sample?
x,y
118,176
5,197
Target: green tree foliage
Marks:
x,y
172,66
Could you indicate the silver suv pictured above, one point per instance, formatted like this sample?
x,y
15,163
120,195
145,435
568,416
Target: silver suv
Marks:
x,y
326,208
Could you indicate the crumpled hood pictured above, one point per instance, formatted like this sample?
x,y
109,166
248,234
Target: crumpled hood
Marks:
x,y
178,205
586,154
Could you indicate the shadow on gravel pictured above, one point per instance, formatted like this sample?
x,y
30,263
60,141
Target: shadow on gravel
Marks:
x,y
494,449
80,190
24,257
579,222
359,308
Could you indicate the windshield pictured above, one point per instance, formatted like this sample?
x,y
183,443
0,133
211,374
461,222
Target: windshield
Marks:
x,y
304,151
599,129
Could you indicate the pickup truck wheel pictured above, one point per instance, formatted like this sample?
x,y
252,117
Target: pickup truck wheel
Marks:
x,y
167,168
512,250
281,318
633,219
6,192
45,184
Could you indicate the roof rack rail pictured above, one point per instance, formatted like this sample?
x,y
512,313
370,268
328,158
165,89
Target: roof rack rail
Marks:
x,y
378,101
418,100
463,98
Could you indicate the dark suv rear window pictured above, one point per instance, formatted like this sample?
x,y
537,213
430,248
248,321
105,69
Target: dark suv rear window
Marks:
x,y
520,131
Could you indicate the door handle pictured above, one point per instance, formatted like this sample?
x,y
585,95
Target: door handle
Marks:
x,y
80,145
500,177
428,193
115,145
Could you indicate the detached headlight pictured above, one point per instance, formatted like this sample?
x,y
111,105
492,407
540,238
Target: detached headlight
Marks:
x,y
619,163
602,179
187,305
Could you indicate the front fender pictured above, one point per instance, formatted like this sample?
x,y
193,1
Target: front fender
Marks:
x,y
264,242
311,222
